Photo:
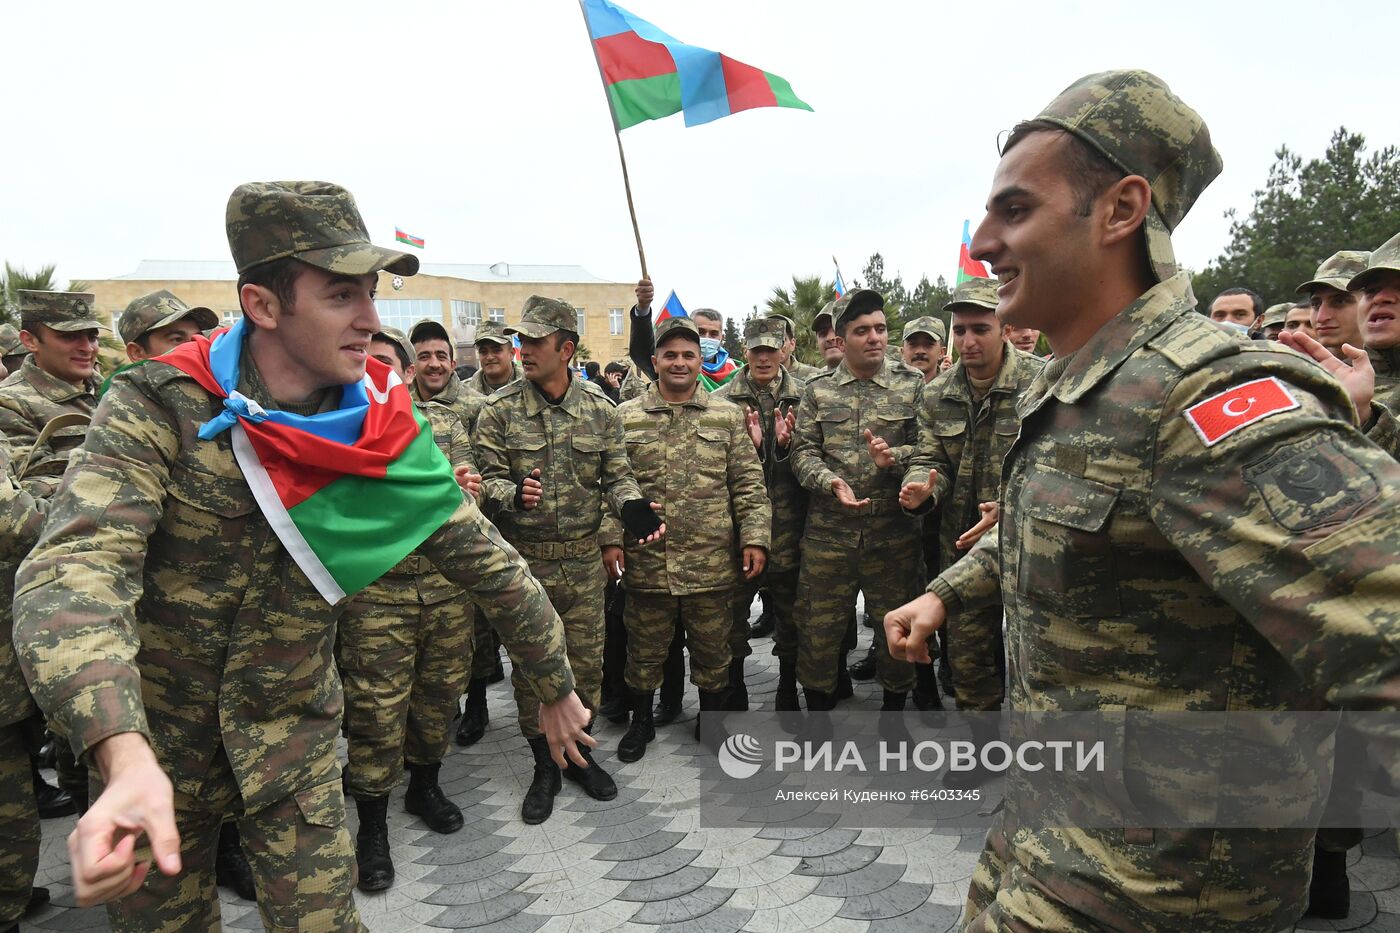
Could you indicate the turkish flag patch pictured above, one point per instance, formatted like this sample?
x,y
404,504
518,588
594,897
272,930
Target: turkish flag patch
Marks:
x,y
1222,415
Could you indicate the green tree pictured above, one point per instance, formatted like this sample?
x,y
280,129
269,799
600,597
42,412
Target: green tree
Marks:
x,y
732,343
582,354
16,279
801,303
1305,212
902,305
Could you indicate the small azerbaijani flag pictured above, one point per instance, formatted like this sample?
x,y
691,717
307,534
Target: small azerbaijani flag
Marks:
x,y
515,346
672,308
969,268
312,475
402,237
649,75
840,288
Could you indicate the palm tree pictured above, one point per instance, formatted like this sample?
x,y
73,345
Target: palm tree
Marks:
x,y
17,278
807,297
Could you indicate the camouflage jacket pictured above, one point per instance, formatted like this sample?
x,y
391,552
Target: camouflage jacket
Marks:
x,y
1146,563
836,410
458,396
697,461
1387,366
785,493
577,447
478,380
158,600
30,399
21,517
968,440
802,371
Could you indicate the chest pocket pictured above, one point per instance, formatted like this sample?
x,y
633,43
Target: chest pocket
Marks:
x,y
526,452
894,423
834,422
1067,559
205,529
711,460
588,458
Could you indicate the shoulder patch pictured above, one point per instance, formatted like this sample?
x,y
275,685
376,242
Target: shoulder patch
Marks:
x,y
1223,414
1312,482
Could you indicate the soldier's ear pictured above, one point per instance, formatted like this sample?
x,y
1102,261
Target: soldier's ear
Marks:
x,y
1124,208
260,305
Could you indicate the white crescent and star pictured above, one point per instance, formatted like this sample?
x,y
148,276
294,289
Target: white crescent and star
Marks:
x,y
1229,407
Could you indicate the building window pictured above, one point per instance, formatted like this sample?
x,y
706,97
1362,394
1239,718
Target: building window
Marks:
x,y
615,322
403,313
582,321
466,313
496,314
231,317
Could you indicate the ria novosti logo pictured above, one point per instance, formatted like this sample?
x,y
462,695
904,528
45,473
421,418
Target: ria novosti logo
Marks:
x,y
740,756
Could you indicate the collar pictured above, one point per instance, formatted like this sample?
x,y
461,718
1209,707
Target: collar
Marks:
x,y
1386,362
652,400
50,386
535,402
881,377
447,396
783,387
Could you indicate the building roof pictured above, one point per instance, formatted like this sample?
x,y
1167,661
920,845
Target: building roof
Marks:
x,y
215,270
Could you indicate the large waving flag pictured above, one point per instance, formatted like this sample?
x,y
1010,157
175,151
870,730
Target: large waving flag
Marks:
x,y
969,268
349,492
649,74
672,308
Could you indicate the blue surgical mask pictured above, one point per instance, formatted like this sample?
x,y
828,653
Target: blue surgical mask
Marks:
x,y
709,348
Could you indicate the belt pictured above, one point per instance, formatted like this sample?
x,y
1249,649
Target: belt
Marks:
x,y
411,566
558,550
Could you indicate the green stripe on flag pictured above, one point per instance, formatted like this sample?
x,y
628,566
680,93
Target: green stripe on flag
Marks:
x,y
782,90
640,99
360,526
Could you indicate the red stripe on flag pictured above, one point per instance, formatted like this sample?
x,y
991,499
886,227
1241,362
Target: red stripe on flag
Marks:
x,y
970,266
626,56
748,86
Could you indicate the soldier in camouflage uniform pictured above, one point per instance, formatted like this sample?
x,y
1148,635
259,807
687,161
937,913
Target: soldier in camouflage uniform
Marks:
x,y
154,324
770,396
857,536
163,626
551,454
800,370
496,358
828,341
692,451
20,521
1379,312
1272,322
923,344
435,376
404,650
1334,316
12,349
1189,521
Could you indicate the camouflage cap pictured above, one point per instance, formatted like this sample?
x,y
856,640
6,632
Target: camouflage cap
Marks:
x,y
1337,271
769,333
492,332
1134,119
398,336
429,329
1275,314
157,310
65,311
855,303
976,292
314,221
677,327
543,316
1385,258
787,321
10,344
931,326
825,314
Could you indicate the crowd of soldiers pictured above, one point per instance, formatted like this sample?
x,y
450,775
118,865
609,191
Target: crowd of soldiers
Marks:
x,y
1081,506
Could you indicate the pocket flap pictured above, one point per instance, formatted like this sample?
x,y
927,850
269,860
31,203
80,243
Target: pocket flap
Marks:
x,y
525,442
949,427
1077,502
588,443
221,495
835,415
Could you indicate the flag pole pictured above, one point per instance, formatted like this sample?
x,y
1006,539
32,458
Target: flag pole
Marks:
x,y
617,134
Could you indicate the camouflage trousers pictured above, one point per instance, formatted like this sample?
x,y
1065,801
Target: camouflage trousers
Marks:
x,y
19,826
404,666
298,848
977,652
575,588
782,597
890,574
486,647
708,620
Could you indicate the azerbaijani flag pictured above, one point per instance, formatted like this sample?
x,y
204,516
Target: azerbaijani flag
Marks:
x,y
649,74
313,476
969,268
402,237
672,308
840,288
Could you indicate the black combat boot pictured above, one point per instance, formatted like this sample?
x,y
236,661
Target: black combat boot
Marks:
x,y
614,708
1329,894
372,844
426,800
785,701
594,781
738,689
52,801
38,900
474,715
498,671
926,696
843,684
816,725
231,869
539,799
642,730
864,669
893,729
714,702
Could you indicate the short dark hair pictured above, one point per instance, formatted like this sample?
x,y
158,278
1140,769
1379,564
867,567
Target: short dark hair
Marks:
x,y
615,367
1254,296
561,335
399,351
1090,171
279,277
592,368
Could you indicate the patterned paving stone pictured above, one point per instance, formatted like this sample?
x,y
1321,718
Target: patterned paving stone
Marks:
x,y
653,866
470,871
848,859
757,873
933,918
571,898
719,920
663,887
811,913
784,892
866,880
614,915
496,911
825,842
894,901
639,848
476,892
731,856
626,831
684,908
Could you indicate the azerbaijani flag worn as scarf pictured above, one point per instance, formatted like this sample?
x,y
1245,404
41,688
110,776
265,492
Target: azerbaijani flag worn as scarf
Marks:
x,y
713,375
649,75
349,492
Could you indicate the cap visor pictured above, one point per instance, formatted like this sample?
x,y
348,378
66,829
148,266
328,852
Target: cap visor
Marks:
x,y
501,340
1366,275
532,330
763,343
360,259
69,327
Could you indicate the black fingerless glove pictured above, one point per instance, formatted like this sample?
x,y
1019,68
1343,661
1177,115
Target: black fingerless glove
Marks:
x,y
520,494
640,520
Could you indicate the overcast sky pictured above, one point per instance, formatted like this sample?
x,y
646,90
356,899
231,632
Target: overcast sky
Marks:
x,y
482,127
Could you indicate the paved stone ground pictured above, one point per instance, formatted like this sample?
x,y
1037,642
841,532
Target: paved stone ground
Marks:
x,y
643,863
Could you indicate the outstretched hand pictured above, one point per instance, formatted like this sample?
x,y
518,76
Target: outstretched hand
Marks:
x,y
991,514
914,495
755,429
879,450
1356,374
784,427
842,490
